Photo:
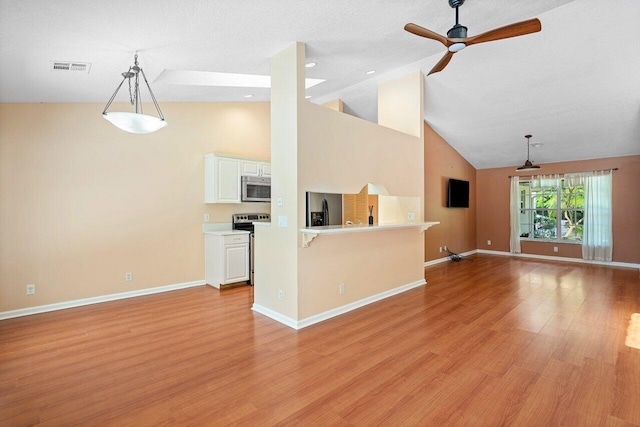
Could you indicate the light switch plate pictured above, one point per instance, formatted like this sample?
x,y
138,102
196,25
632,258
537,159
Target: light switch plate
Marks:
x,y
282,220
207,217
280,204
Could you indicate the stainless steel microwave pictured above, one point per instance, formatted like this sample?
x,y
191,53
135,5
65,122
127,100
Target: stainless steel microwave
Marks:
x,y
256,188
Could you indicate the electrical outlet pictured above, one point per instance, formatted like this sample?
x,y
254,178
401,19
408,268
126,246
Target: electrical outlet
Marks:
x,y
446,250
412,216
341,288
280,295
31,289
488,242
128,277
207,217
555,249
440,248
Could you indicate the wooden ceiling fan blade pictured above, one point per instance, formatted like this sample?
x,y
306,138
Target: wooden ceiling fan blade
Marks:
x,y
508,31
423,32
442,63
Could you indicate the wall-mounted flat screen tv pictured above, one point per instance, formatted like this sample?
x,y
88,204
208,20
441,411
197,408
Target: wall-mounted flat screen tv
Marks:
x,y
457,193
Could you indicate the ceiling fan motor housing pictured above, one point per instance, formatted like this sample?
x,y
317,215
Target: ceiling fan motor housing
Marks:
x,y
457,32
456,3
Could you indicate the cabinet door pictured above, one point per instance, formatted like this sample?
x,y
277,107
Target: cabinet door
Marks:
x,y
251,168
227,180
266,169
237,263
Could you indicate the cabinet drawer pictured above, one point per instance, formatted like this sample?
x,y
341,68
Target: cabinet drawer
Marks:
x,y
236,238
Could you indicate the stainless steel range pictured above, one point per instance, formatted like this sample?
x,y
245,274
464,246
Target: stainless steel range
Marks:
x,y
245,222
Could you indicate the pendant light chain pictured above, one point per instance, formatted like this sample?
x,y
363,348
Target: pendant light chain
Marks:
x,y
130,92
134,93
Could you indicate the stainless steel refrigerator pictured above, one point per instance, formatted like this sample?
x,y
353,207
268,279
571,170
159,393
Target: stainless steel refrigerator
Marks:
x,y
324,209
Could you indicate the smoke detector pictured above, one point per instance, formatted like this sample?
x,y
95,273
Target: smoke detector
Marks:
x,y
82,67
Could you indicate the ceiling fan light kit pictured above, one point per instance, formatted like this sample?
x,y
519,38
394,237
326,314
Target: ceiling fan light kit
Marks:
x,y
528,166
456,47
135,122
457,39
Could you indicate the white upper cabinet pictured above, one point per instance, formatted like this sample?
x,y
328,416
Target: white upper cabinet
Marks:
x,y
266,168
256,168
222,179
249,167
222,176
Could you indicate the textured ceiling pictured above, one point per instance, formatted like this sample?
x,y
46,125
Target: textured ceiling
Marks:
x,y
574,85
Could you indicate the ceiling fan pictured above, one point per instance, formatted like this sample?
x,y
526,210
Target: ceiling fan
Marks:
x,y
457,39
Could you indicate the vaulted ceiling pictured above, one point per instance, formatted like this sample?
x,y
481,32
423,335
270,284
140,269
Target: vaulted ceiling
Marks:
x,y
574,85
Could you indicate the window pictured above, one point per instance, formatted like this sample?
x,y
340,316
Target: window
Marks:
x,y
551,210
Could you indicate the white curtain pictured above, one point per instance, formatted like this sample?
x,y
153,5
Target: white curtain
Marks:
x,y
540,181
576,179
597,238
514,241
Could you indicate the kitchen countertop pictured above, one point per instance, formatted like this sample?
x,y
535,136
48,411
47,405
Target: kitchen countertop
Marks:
x,y
226,232
221,229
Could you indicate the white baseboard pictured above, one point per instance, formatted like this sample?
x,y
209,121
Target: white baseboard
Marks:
x,y
559,258
292,323
317,318
447,258
95,300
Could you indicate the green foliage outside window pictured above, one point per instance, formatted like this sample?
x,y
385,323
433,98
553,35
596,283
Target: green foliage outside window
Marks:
x,y
542,217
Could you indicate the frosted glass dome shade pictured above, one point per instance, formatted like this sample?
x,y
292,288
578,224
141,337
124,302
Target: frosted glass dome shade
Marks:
x,y
135,122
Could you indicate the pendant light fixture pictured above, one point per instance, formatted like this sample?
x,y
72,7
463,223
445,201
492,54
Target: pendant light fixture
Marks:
x,y
135,122
528,166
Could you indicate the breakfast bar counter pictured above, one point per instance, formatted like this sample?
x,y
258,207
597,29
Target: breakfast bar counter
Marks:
x,y
310,233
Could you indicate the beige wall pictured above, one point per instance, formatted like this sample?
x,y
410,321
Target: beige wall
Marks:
x,y
400,104
493,208
339,153
336,105
457,228
82,202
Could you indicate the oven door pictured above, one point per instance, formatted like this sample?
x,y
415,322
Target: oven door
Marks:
x,y
256,189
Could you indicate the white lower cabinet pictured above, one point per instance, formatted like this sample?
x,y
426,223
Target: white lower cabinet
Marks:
x,y
226,258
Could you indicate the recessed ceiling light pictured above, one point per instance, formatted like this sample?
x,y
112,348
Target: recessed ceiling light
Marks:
x,y
310,64
536,144
248,96
307,97
370,72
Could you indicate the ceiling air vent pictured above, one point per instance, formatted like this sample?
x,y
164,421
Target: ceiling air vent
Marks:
x,y
82,67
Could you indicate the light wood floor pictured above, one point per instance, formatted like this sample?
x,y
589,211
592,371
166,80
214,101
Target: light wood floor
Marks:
x,y
493,341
